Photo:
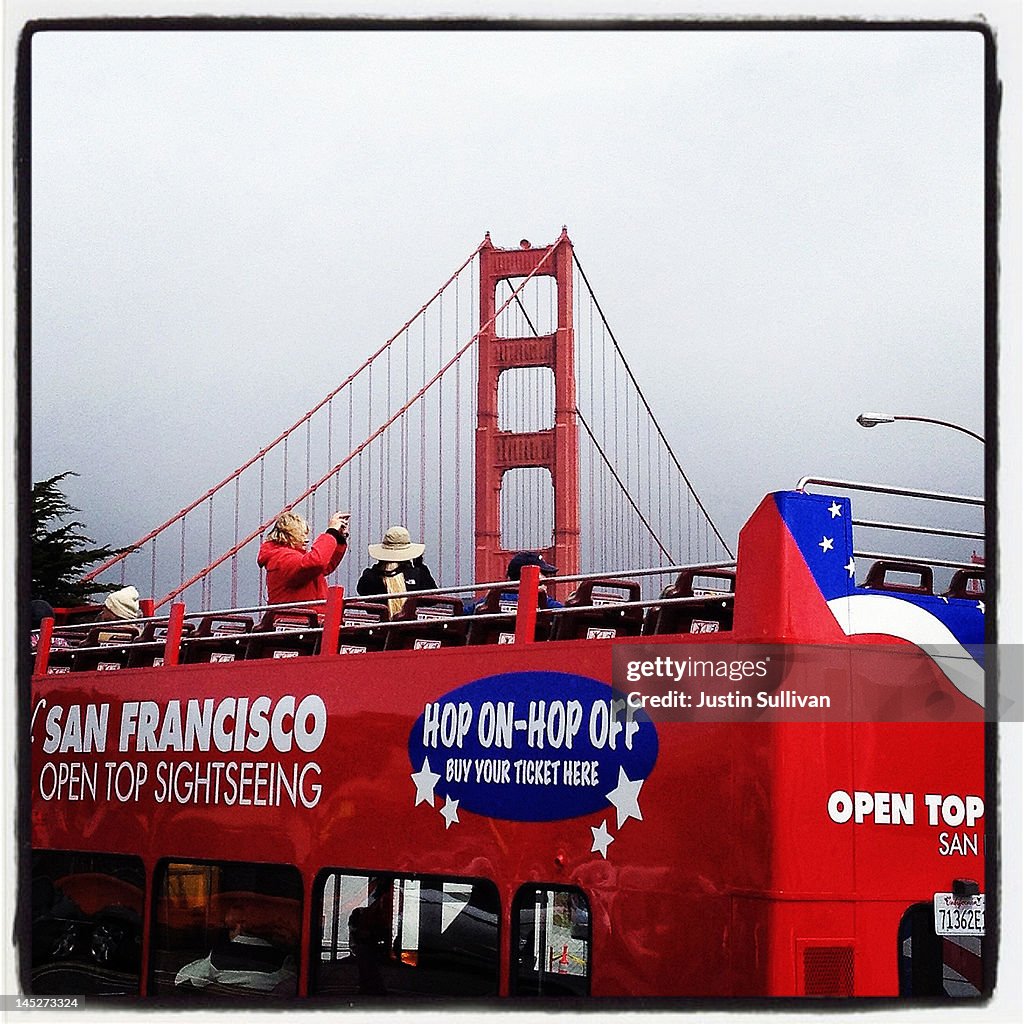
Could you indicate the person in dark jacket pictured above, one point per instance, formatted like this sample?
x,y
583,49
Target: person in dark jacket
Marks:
x,y
293,573
39,610
399,569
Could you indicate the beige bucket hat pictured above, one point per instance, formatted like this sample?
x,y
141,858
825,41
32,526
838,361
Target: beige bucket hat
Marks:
x,y
396,546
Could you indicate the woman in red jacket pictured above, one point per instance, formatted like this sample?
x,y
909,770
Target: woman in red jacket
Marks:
x,y
293,573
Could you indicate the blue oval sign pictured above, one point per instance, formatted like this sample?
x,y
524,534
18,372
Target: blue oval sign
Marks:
x,y
531,746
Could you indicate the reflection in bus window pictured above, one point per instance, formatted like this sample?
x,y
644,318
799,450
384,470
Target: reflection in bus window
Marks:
x,y
86,923
550,942
395,935
226,930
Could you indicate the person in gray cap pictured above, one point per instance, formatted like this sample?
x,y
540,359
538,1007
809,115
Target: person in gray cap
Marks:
x,y
399,569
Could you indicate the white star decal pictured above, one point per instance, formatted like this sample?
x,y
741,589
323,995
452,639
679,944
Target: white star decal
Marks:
x,y
825,544
602,840
981,607
851,567
450,812
624,798
835,510
425,781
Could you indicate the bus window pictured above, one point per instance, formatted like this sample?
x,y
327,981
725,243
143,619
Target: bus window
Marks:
x,y
86,923
226,929
550,942
404,935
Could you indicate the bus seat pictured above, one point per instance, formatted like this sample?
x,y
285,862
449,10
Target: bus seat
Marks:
x,y
95,891
277,919
420,628
110,643
503,630
713,615
297,633
362,613
62,650
878,577
967,583
594,614
148,650
218,638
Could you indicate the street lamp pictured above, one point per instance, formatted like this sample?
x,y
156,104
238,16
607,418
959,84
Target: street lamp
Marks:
x,y
872,419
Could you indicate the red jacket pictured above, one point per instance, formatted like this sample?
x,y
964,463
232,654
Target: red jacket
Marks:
x,y
294,575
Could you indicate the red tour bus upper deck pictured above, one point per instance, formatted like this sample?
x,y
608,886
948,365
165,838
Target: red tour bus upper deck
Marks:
x,y
767,781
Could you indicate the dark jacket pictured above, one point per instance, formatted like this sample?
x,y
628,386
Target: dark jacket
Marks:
x,y
417,577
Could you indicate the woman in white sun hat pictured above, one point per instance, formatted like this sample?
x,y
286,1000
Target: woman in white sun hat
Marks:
x,y
398,570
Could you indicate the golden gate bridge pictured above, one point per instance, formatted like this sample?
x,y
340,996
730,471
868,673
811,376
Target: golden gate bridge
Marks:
x,y
501,416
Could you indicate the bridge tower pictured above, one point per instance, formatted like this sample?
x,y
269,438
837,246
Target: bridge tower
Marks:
x,y
555,449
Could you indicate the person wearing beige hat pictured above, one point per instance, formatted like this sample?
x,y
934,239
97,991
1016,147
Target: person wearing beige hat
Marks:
x,y
121,604
398,570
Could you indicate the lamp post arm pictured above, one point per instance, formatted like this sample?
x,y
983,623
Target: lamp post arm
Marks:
x,y
943,423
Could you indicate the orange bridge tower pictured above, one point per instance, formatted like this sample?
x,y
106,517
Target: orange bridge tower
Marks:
x,y
500,450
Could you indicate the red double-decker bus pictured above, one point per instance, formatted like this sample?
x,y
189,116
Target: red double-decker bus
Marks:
x,y
768,780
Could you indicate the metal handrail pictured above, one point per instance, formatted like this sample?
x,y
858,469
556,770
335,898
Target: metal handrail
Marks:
x,y
906,492
98,647
572,610
291,606
916,560
293,631
470,588
935,531
84,627
318,629
387,623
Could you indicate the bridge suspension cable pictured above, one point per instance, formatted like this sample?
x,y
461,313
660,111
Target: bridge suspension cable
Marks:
x,y
396,437
283,437
707,522
376,492
637,504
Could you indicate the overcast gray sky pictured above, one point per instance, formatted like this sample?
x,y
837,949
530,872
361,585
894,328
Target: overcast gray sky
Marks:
x,y
783,228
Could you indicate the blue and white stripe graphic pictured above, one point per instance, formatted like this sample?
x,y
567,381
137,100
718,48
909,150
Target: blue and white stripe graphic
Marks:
x,y
951,630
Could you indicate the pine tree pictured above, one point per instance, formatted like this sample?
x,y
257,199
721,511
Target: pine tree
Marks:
x,y
62,553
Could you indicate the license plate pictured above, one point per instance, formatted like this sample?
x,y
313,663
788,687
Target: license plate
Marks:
x,y
959,915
